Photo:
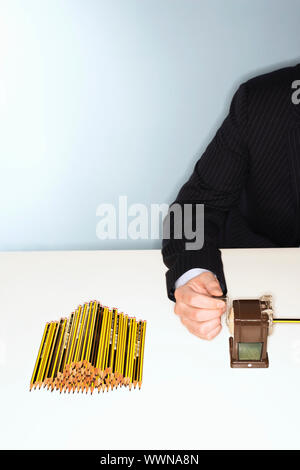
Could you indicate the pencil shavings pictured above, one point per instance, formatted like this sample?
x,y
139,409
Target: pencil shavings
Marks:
x,y
94,348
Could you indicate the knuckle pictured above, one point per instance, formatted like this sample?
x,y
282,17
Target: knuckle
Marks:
x,y
195,280
199,315
208,278
178,293
213,334
190,330
176,309
212,283
209,335
202,330
195,315
189,298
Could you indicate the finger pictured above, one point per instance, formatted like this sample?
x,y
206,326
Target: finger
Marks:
x,y
213,287
214,333
199,282
197,314
206,283
189,297
189,289
201,329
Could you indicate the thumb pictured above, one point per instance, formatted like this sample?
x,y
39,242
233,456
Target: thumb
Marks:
x,y
212,285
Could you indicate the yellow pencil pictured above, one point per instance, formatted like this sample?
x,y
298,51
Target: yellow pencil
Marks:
x,y
102,339
46,354
55,335
123,357
60,340
39,356
107,341
61,349
73,336
127,352
142,355
112,359
91,333
80,334
133,349
119,342
95,347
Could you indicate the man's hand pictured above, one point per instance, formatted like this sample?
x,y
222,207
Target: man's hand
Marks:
x,y
197,309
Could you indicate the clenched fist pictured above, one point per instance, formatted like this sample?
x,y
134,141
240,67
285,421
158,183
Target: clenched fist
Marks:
x,y
197,309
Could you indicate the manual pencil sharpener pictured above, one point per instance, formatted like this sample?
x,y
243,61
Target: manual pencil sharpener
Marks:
x,y
250,322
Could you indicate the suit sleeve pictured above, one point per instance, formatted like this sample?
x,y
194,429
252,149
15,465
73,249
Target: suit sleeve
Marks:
x,y
216,182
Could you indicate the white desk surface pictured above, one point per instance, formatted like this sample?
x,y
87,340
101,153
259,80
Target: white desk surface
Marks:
x,y
190,397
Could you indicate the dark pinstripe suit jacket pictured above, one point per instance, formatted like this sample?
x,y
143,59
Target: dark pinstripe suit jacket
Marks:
x,y
248,178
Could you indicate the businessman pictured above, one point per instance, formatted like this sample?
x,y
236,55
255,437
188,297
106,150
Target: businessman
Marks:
x,y
248,180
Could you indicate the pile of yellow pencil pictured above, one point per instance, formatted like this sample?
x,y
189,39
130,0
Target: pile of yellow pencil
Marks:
x,y
94,347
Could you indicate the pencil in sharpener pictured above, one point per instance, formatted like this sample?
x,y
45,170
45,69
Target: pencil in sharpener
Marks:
x,y
250,322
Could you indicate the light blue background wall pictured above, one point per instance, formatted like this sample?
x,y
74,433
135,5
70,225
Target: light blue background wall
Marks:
x,y
118,97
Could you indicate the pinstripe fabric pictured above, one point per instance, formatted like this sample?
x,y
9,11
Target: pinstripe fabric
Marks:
x,y
248,178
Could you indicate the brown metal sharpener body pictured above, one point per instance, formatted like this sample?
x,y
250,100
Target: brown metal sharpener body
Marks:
x,y
248,346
